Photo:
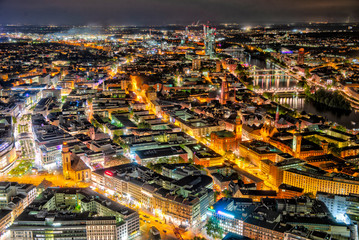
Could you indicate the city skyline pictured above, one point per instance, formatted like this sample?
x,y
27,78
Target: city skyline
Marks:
x,y
196,131
158,12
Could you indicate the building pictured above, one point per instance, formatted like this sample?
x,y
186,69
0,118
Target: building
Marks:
x,y
182,201
277,169
173,154
233,236
222,179
314,180
224,91
73,166
287,191
300,59
232,170
75,213
255,151
276,218
14,198
191,123
202,155
298,146
218,66
343,208
180,170
209,40
48,141
224,141
196,64
256,195
7,146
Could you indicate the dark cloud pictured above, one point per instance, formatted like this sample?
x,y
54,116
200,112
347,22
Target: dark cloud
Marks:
x,y
147,12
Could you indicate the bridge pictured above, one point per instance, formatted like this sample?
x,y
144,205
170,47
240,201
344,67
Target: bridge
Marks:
x,y
280,90
293,102
273,80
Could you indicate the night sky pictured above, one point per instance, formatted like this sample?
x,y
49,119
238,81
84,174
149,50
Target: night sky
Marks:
x,y
159,12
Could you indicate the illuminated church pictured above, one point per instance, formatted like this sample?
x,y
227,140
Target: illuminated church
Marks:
x,y
73,167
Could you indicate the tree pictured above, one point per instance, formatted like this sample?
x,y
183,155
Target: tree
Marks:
x,y
309,194
135,117
334,149
199,238
227,193
216,194
213,229
144,125
341,128
155,167
229,155
268,95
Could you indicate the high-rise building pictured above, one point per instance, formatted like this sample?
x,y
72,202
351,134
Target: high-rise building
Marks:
x,y
209,40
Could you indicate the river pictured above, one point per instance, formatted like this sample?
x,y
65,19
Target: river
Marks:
x,y
342,117
345,118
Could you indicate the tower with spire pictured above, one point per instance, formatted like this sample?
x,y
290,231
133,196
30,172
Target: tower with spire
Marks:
x,y
224,91
66,160
238,128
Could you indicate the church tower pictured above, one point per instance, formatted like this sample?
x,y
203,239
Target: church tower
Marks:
x,y
297,143
224,91
66,160
239,128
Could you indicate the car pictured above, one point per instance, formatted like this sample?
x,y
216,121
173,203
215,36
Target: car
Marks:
x,y
154,231
183,228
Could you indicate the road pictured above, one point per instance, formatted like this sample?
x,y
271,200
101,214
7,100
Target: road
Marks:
x,y
24,143
57,180
147,220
